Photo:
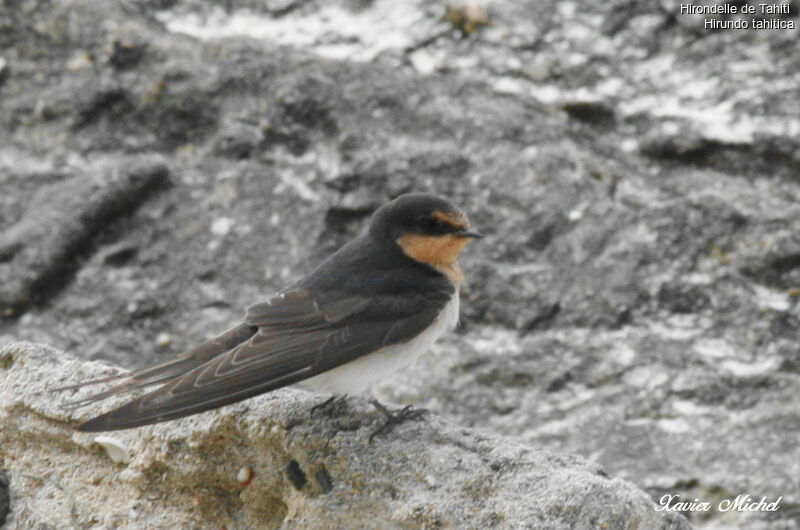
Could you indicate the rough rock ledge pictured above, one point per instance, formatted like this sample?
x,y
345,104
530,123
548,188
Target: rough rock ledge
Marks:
x,y
306,471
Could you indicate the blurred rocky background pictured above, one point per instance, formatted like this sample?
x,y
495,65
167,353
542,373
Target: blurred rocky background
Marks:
x,y
163,165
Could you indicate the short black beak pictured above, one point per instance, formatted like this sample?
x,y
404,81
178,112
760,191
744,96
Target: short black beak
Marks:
x,y
469,233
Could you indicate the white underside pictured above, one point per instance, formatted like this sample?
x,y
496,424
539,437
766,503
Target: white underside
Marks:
x,y
358,376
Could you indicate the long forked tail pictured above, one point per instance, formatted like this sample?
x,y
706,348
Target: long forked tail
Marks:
x,y
165,371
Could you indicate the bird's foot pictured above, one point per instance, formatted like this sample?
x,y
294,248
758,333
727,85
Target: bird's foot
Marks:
x,y
395,417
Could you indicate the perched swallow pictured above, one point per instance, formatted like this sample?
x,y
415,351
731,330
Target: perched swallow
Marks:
x,y
371,308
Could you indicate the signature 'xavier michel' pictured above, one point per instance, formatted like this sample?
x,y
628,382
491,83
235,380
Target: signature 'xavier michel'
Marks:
x,y
369,309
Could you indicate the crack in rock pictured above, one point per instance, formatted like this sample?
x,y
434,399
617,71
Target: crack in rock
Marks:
x,y
42,252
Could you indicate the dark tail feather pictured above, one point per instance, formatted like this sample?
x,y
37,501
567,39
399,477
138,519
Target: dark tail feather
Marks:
x,y
148,409
119,389
165,371
90,383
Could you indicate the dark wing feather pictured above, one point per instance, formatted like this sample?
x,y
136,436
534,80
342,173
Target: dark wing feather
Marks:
x,y
299,336
159,373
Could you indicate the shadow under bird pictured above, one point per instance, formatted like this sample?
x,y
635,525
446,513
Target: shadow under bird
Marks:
x,y
371,308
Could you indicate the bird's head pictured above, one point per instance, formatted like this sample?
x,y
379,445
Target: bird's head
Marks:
x,y
427,228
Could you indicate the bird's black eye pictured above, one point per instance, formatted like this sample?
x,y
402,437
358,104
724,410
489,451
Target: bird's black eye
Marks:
x,y
427,223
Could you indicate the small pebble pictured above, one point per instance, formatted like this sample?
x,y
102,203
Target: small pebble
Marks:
x,y
163,340
244,476
116,450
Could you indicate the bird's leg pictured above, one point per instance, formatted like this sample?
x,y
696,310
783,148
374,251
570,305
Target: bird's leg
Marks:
x,y
395,417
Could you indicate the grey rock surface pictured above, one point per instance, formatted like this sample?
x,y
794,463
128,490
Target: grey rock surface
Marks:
x,y
308,470
635,301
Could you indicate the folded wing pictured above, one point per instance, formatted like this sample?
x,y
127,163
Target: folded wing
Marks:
x,y
289,338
